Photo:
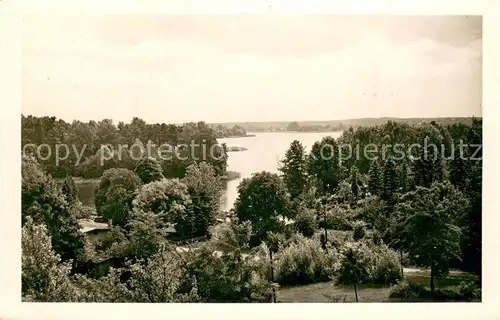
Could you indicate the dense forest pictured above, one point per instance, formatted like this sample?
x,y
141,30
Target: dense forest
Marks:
x,y
350,218
80,145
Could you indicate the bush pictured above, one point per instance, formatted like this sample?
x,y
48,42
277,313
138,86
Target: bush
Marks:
x,y
337,218
387,266
410,291
305,223
80,211
470,291
227,277
304,261
380,264
407,291
359,228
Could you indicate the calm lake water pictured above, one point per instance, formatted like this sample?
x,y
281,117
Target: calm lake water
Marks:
x,y
264,153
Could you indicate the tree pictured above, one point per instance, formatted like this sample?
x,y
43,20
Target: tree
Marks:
x,y
159,279
233,235
371,210
294,169
403,181
70,190
148,170
115,193
205,190
262,199
145,235
167,199
44,277
458,169
42,200
293,126
354,181
375,179
390,179
429,220
273,241
352,266
323,164
305,222
429,167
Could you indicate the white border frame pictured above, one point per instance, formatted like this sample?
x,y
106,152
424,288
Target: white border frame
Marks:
x,y
11,12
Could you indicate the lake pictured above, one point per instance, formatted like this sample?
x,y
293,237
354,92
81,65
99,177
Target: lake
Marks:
x,y
264,152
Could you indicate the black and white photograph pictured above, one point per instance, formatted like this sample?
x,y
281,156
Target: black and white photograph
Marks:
x,y
298,158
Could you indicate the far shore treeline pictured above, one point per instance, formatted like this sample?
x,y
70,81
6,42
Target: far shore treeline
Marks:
x,y
88,137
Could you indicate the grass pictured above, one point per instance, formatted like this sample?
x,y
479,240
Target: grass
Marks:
x,y
320,292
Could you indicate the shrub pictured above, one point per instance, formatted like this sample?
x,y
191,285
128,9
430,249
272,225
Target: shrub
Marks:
x,y
359,228
337,218
80,211
305,222
387,266
470,291
407,290
304,261
380,264
227,277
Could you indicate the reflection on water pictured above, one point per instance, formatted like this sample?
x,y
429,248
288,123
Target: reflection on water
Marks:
x,y
86,193
264,153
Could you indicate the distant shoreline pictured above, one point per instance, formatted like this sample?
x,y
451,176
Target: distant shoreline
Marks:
x,y
246,136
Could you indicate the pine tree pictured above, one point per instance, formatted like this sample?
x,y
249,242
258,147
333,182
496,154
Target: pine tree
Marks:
x,y
294,169
390,178
375,180
423,167
403,182
354,181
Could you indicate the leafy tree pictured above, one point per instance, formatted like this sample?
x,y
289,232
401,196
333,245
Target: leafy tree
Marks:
x,y
145,236
459,169
352,267
42,200
115,193
44,277
429,219
262,199
371,210
306,223
167,199
323,164
205,190
148,170
375,179
233,235
294,169
159,279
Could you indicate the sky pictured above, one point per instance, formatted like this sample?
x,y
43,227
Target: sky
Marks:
x,y
237,68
